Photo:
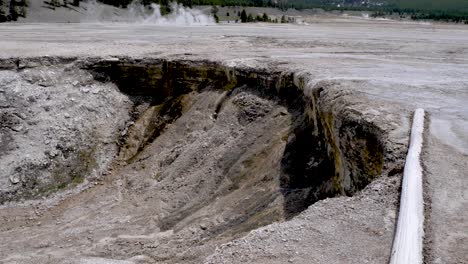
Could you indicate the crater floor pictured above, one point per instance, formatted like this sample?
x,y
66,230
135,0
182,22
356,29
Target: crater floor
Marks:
x,y
374,71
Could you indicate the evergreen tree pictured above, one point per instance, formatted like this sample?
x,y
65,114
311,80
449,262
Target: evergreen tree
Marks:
x,y
214,10
13,11
23,6
76,2
164,7
283,19
243,16
265,17
186,3
55,3
3,17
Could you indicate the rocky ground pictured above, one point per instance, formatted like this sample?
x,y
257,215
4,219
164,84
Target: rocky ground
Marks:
x,y
188,151
194,192
47,129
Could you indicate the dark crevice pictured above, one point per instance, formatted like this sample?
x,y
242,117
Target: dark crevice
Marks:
x,y
306,169
319,154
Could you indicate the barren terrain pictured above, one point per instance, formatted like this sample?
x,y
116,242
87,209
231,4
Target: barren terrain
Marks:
x,y
257,143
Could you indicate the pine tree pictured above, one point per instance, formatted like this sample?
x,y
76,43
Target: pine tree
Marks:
x,y
13,12
3,17
214,10
243,16
164,7
76,2
23,6
54,3
283,19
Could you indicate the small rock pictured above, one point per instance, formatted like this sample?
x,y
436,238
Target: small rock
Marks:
x,y
52,153
14,179
21,65
75,83
66,115
43,245
17,128
31,99
21,115
111,59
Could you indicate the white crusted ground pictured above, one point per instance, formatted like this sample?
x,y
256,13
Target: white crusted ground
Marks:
x,y
397,66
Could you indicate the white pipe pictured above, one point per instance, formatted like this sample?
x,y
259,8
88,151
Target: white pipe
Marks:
x,y
407,244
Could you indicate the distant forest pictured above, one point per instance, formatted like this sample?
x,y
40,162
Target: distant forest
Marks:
x,y
440,10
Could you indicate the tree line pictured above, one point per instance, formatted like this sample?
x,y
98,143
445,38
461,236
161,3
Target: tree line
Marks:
x,y
246,18
11,10
392,8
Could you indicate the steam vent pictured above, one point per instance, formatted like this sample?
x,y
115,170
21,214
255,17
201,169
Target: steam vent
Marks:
x,y
138,134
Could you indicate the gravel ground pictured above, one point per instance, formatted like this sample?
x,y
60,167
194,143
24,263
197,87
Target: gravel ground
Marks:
x,y
49,118
395,67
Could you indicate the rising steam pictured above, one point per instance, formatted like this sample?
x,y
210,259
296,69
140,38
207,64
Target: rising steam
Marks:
x,y
139,14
